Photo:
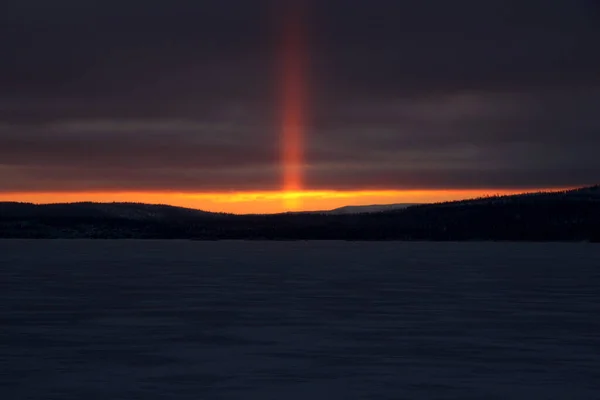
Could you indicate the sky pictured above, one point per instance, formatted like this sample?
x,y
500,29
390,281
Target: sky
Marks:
x,y
262,106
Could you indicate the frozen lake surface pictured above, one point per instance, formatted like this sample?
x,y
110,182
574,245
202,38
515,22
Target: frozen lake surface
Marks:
x,y
298,320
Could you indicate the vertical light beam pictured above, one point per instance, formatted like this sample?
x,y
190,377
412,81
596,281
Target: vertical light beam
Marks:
x,y
294,63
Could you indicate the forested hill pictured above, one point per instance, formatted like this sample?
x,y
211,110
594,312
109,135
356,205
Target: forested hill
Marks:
x,y
133,211
558,216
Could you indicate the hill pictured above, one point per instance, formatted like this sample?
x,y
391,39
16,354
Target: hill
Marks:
x,y
368,208
133,211
557,216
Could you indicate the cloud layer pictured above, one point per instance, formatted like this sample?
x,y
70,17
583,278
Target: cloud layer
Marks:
x,y
183,95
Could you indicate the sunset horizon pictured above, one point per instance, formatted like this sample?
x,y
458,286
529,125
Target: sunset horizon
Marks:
x,y
269,202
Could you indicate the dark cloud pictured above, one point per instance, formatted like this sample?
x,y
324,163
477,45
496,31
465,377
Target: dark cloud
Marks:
x,y
183,95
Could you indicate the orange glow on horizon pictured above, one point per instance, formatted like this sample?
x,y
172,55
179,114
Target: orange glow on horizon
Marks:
x,y
294,60
265,202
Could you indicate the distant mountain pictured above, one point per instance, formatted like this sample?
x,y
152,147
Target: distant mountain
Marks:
x,y
368,208
572,215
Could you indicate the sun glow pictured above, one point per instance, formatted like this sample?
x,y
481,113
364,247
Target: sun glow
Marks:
x,y
293,83
263,202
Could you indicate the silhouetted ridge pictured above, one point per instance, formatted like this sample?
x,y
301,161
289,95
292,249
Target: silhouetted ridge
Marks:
x,y
98,210
368,208
572,215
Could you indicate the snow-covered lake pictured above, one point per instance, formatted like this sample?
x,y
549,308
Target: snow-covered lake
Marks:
x,y
298,320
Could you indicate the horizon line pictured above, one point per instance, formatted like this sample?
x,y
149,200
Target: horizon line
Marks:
x,y
268,202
